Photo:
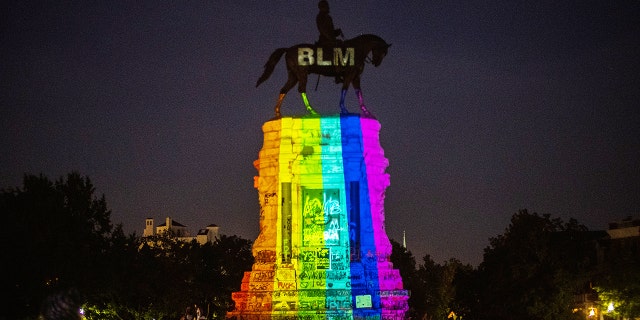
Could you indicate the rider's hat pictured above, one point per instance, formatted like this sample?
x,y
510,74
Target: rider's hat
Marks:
x,y
323,5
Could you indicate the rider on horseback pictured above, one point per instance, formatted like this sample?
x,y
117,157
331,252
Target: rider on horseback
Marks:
x,y
328,33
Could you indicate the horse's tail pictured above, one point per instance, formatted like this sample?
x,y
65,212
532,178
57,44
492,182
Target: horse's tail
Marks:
x,y
271,65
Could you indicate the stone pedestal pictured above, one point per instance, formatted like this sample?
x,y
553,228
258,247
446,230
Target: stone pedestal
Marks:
x,y
322,251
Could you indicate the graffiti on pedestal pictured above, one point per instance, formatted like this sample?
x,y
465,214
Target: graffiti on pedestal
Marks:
x,y
265,257
322,217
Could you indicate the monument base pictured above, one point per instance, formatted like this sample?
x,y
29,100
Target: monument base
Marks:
x,y
322,251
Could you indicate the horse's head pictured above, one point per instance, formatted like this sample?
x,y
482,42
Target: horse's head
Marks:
x,y
378,53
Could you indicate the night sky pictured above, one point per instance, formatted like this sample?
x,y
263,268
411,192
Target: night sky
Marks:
x,y
487,107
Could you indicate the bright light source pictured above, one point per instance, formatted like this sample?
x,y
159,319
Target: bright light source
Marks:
x,y
610,307
592,312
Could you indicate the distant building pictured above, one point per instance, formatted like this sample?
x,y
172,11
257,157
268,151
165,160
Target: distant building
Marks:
x,y
208,234
621,239
627,228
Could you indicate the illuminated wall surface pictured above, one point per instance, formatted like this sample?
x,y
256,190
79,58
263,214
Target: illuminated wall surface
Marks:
x,y
322,251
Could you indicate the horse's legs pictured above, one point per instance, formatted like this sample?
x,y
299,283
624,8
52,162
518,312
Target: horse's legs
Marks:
x,y
343,94
349,78
356,86
307,105
291,81
302,88
364,109
279,103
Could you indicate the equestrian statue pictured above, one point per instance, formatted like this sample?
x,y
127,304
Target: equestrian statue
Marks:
x,y
343,60
329,56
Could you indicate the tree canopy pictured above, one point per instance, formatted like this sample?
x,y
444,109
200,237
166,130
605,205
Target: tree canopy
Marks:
x,y
61,239
535,269
59,235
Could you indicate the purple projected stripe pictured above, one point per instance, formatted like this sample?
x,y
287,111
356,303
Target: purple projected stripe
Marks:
x,y
378,181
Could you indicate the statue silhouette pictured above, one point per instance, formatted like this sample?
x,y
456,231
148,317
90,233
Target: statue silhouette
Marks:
x,y
328,33
324,22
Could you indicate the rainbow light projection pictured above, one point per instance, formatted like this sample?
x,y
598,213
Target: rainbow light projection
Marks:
x,y
322,251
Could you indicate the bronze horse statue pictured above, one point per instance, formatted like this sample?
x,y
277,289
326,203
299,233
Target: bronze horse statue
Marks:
x,y
346,65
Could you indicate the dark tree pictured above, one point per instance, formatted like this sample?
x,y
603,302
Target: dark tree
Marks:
x,y
534,269
618,282
446,288
232,258
404,261
164,276
59,235
61,238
